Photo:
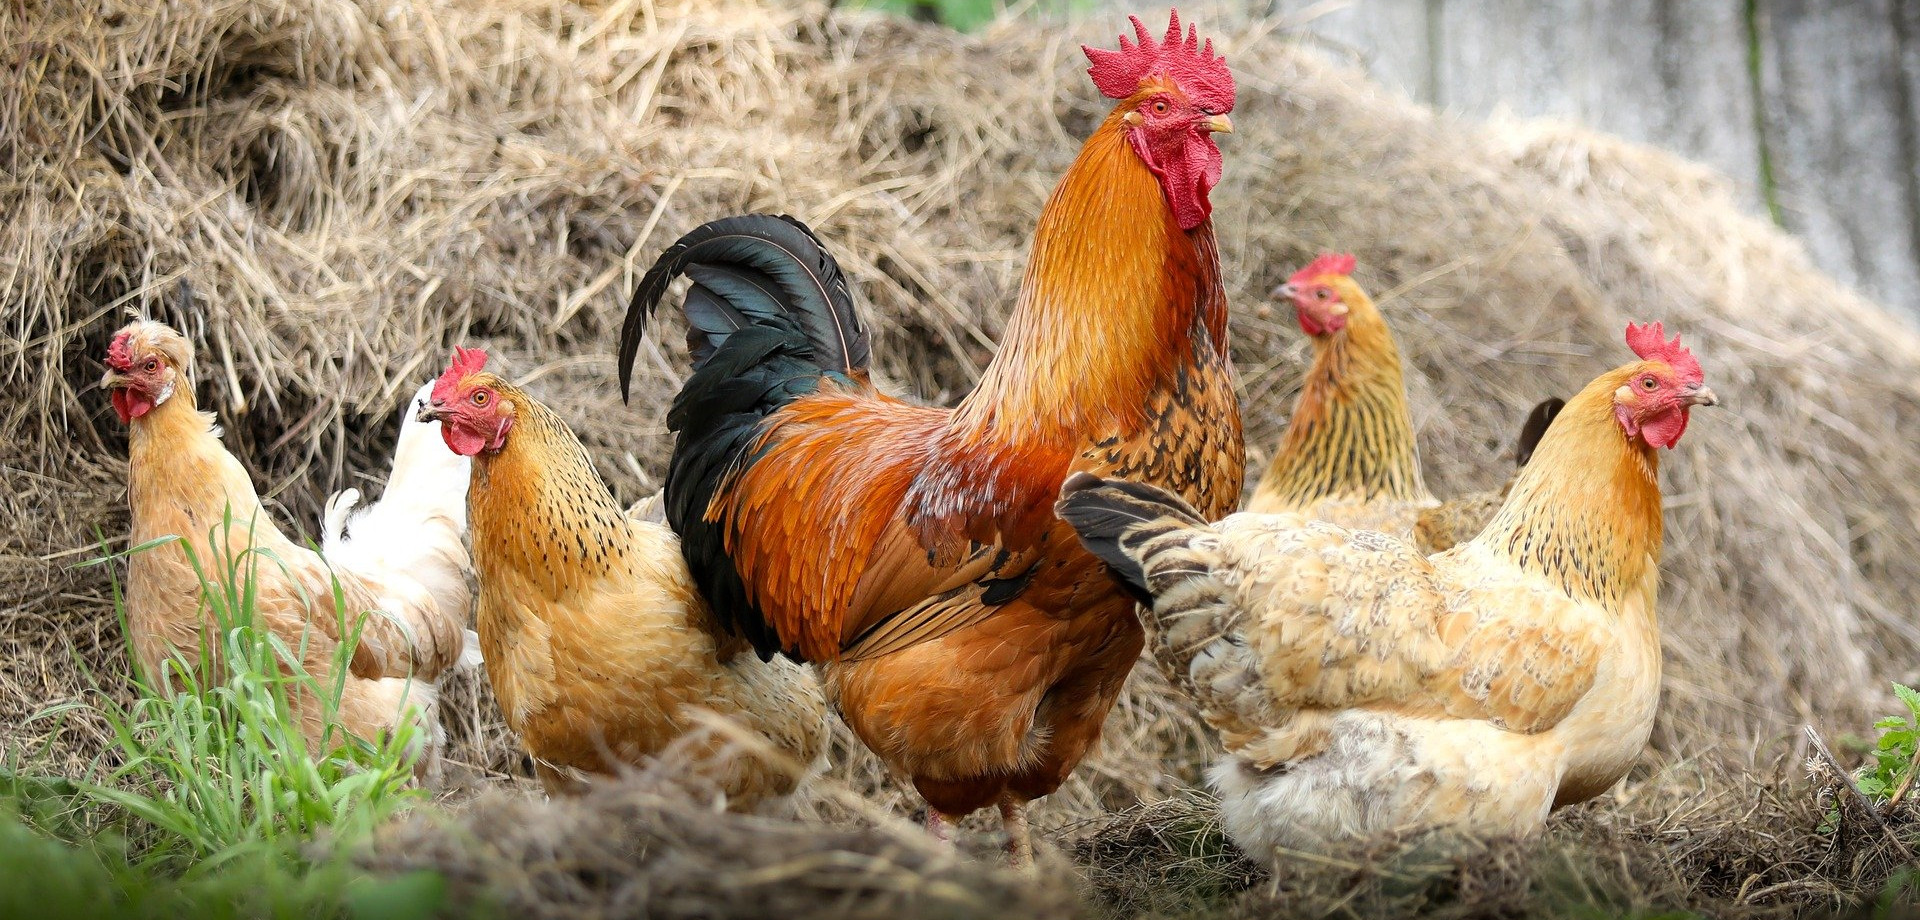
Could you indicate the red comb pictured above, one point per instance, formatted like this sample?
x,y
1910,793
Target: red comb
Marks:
x,y
119,357
466,361
1649,341
1190,64
1329,263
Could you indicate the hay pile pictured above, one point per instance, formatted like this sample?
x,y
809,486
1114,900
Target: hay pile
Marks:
x,y
327,194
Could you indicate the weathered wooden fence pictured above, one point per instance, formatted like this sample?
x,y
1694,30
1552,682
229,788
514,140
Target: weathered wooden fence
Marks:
x,y
1813,108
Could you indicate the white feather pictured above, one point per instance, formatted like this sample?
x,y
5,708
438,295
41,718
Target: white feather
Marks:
x,y
415,536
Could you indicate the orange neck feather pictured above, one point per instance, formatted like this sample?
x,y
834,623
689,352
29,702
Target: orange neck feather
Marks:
x,y
537,505
1117,300
1586,509
174,422
173,447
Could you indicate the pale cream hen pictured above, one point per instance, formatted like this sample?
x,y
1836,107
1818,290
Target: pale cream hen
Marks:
x,y
1360,689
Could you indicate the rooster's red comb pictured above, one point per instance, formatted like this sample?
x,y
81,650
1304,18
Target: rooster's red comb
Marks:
x,y
1649,341
1329,263
1188,63
466,361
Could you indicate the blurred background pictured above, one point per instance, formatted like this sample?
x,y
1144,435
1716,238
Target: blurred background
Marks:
x,y
1811,109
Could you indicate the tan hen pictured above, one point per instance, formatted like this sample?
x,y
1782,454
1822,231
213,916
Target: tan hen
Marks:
x,y
402,584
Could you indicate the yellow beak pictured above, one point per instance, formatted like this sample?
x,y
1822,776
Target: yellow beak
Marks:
x,y
1219,124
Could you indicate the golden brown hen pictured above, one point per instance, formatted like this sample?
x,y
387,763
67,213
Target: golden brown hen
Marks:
x,y
602,654
405,591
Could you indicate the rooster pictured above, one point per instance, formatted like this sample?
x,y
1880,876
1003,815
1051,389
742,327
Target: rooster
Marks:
x,y
402,586
1360,688
1348,455
913,551
599,649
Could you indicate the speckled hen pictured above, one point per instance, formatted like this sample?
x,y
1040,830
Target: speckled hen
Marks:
x,y
602,655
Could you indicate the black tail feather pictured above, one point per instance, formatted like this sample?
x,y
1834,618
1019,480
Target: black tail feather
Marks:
x,y
750,269
1535,428
768,317
1114,517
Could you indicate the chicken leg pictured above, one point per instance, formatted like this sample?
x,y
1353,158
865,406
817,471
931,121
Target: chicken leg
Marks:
x,y
939,827
1013,819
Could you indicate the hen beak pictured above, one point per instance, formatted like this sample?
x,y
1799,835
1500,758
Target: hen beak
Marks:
x,y
1702,396
113,380
1284,292
1218,124
431,412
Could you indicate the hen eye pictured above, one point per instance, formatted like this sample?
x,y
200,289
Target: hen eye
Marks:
x,y
153,364
1160,107
1320,293
480,397
1649,383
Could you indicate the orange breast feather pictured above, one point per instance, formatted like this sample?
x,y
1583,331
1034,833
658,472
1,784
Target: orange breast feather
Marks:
x,y
863,507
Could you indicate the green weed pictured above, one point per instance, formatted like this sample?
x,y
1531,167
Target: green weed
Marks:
x,y
1889,773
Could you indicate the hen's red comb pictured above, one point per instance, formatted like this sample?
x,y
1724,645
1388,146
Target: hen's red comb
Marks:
x,y
466,361
1649,341
1189,64
1329,263
119,356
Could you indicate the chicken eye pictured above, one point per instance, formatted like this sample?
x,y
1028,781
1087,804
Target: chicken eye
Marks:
x,y
1160,107
1320,293
1649,383
153,364
480,397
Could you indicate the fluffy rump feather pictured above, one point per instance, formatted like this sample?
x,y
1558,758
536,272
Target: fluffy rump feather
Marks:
x,y
417,531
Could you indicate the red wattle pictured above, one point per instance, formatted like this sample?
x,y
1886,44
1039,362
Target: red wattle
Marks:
x,y
1188,168
129,404
460,441
1665,429
1308,324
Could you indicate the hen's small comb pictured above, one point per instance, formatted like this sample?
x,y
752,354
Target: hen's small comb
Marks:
x,y
1329,263
119,356
1649,341
466,361
1188,63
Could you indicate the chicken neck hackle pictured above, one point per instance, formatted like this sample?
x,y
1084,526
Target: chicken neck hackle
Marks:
x,y
1351,435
